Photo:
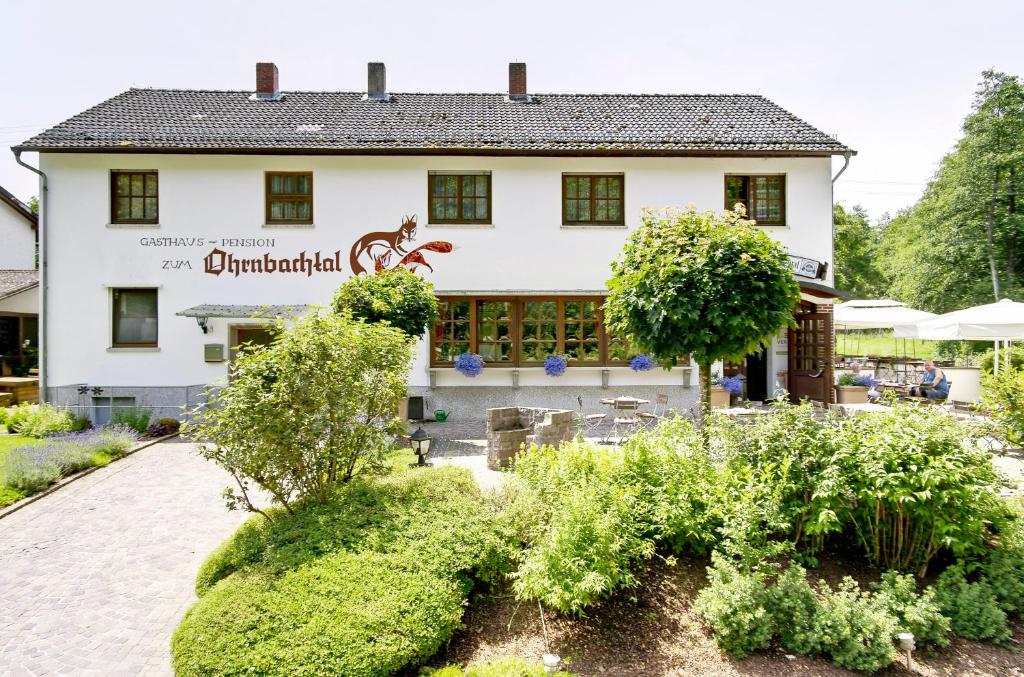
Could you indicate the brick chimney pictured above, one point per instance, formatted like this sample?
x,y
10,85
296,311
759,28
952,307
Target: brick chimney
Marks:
x,y
517,82
376,82
266,81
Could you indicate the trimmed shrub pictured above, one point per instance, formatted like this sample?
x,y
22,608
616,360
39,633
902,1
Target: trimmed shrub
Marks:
x,y
794,606
367,583
853,630
920,614
397,296
40,420
735,605
972,607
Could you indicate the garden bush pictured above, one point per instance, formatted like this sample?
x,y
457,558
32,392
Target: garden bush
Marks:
x,y
735,605
853,630
308,412
988,359
28,469
162,427
920,614
136,418
1004,571
367,583
972,607
397,296
1002,395
794,606
39,420
33,468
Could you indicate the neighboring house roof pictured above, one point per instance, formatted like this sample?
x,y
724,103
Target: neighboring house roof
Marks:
x,y
16,281
233,311
171,120
19,206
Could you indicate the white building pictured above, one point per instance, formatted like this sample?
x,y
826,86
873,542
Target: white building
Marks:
x,y
19,285
171,209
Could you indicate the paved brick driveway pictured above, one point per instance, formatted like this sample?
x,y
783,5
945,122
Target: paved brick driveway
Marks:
x,y
94,578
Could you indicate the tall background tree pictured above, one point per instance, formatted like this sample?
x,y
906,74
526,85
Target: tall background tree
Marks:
x,y
856,253
706,284
961,243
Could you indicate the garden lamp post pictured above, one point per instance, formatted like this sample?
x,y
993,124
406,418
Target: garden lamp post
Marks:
x,y
420,443
906,640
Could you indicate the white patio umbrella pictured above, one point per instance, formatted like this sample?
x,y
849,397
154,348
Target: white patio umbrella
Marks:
x,y
1000,321
876,314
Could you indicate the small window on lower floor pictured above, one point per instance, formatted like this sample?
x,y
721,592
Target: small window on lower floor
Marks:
x,y
105,409
134,320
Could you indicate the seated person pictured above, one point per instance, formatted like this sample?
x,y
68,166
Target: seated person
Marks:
x,y
873,392
934,385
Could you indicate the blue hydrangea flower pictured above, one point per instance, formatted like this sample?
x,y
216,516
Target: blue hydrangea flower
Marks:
x,y
469,364
641,363
554,365
734,384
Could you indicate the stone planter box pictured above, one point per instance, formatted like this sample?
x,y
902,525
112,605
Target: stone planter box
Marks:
x,y
720,398
851,394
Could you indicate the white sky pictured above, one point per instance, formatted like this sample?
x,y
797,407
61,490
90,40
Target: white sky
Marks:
x,y
892,79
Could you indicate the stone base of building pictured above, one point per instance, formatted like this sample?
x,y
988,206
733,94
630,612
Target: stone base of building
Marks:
x,y
98,402
471,403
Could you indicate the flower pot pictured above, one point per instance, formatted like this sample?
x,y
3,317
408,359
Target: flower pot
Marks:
x,y
720,398
851,394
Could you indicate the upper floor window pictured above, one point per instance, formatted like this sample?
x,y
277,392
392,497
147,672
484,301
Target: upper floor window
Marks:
x,y
134,320
133,196
459,197
763,196
592,199
290,197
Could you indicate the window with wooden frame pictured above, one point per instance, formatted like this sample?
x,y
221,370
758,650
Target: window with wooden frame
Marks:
x,y
134,196
763,196
593,199
459,197
524,331
134,320
289,197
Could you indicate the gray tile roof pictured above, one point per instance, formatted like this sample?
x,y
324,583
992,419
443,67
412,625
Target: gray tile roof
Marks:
x,y
16,281
170,120
231,311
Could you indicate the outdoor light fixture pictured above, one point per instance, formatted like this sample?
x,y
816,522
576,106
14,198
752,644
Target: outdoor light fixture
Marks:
x,y
203,322
906,640
551,662
420,443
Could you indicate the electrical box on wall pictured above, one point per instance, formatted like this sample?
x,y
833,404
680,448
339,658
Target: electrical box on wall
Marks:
x,y
213,352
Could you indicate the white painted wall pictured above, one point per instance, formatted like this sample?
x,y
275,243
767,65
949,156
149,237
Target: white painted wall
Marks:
x,y
17,240
26,302
218,197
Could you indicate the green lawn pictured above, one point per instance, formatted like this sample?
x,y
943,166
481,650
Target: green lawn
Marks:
x,y
12,441
861,344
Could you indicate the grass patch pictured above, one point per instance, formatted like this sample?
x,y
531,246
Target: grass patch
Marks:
x,y
368,583
8,442
860,344
9,496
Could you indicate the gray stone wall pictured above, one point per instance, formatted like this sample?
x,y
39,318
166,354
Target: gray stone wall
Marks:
x,y
510,428
470,403
165,401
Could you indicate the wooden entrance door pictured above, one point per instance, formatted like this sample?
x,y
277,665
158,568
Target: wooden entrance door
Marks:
x,y
810,355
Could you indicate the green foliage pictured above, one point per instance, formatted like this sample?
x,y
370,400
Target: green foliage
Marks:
x,y
707,284
919,614
309,411
972,607
595,514
503,667
27,471
969,213
1004,571
39,420
794,606
368,583
853,630
856,253
735,605
399,297
910,486
1002,395
136,418
988,358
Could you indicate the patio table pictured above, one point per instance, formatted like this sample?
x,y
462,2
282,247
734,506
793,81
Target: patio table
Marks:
x,y
610,401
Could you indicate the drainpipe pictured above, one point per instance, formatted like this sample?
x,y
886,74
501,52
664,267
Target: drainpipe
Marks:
x,y
43,319
846,163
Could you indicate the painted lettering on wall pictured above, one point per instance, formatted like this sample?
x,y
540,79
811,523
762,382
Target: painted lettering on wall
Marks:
x,y
219,261
375,251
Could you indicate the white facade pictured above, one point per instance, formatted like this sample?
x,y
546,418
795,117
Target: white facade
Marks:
x,y
208,201
17,240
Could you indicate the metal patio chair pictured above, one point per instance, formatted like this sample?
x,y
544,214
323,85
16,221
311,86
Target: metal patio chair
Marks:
x,y
651,418
625,420
591,422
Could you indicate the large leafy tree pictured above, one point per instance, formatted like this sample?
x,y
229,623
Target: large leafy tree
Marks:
x,y
961,243
309,411
856,253
399,296
707,284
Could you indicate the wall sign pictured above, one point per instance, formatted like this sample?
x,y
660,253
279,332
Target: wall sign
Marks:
x,y
374,251
809,268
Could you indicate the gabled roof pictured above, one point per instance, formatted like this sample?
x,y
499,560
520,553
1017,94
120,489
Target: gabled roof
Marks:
x,y
172,120
16,281
19,206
